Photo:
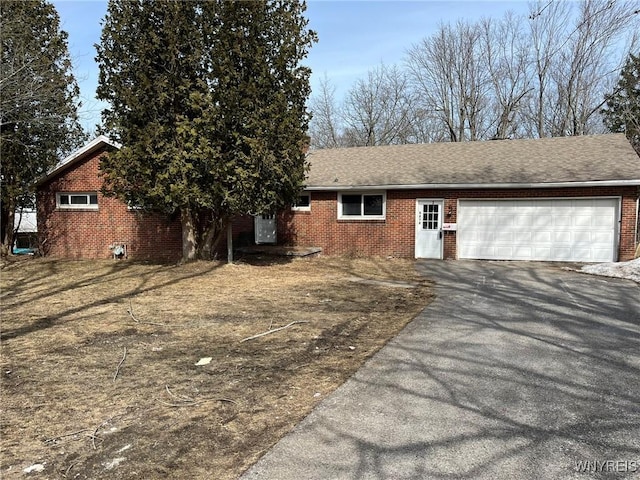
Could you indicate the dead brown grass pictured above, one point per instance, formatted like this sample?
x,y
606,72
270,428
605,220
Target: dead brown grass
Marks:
x,y
91,391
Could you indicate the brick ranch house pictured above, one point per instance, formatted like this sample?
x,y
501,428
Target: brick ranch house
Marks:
x,y
552,199
76,221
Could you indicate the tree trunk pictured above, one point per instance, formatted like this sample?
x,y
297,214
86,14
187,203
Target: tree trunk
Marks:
x,y
207,243
8,215
189,244
211,238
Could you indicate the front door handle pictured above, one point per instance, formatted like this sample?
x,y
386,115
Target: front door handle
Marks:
x,y
440,235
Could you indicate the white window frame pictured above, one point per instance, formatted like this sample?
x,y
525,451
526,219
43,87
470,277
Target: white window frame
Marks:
x,y
362,216
307,208
73,206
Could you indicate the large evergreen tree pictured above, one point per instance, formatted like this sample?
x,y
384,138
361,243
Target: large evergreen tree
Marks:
x,y
38,102
622,113
208,100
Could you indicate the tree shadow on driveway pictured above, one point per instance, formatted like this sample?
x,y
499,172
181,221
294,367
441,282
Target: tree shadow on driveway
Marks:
x,y
517,370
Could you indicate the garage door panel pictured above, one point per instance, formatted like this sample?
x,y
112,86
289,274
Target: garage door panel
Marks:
x,y
523,237
561,236
542,221
603,221
562,221
524,220
485,251
505,236
541,236
542,252
582,237
583,252
522,252
602,238
582,220
540,229
503,250
561,254
481,236
485,220
598,253
563,208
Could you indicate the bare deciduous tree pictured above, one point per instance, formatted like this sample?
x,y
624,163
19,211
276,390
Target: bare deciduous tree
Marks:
x,y
449,77
38,103
325,126
377,110
505,50
507,78
575,62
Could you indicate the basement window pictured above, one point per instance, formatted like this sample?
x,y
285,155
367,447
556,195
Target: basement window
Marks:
x,y
361,206
303,203
84,201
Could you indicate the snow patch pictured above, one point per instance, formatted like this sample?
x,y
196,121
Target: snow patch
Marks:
x,y
629,270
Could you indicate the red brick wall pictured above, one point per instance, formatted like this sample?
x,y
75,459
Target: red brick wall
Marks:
x,y
395,236
89,233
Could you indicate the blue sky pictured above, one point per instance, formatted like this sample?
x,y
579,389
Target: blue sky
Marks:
x,y
354,36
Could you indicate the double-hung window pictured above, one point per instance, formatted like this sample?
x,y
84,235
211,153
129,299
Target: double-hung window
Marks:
x,y
361,206
87,201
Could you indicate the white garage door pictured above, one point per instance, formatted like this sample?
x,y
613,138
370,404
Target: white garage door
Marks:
x,y
580,230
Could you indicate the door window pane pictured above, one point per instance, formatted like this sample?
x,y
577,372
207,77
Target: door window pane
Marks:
x,y
430,217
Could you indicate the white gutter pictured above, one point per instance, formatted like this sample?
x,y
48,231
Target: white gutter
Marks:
x,y
475,186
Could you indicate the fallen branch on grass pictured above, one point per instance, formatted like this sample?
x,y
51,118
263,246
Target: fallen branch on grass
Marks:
x,y
182,398
130,312
95,432
190,402
198,402
268,332
185,404
120,364
69,469
53,439
133,317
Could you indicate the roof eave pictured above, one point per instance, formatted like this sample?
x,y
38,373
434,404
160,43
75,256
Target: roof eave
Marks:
x,y
476,186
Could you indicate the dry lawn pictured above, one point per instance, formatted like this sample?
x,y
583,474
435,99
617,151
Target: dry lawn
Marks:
x,y
92,391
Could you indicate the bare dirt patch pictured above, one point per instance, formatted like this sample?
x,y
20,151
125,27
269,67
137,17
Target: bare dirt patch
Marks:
x,y
99,374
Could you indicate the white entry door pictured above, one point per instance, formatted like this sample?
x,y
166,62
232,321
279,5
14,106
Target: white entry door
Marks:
x,y
429,235
265,228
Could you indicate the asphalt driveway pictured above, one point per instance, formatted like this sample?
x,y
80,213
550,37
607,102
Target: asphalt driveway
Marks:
x,y
516,371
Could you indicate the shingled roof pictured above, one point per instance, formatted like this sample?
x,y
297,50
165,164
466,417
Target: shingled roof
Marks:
x,y
559,161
